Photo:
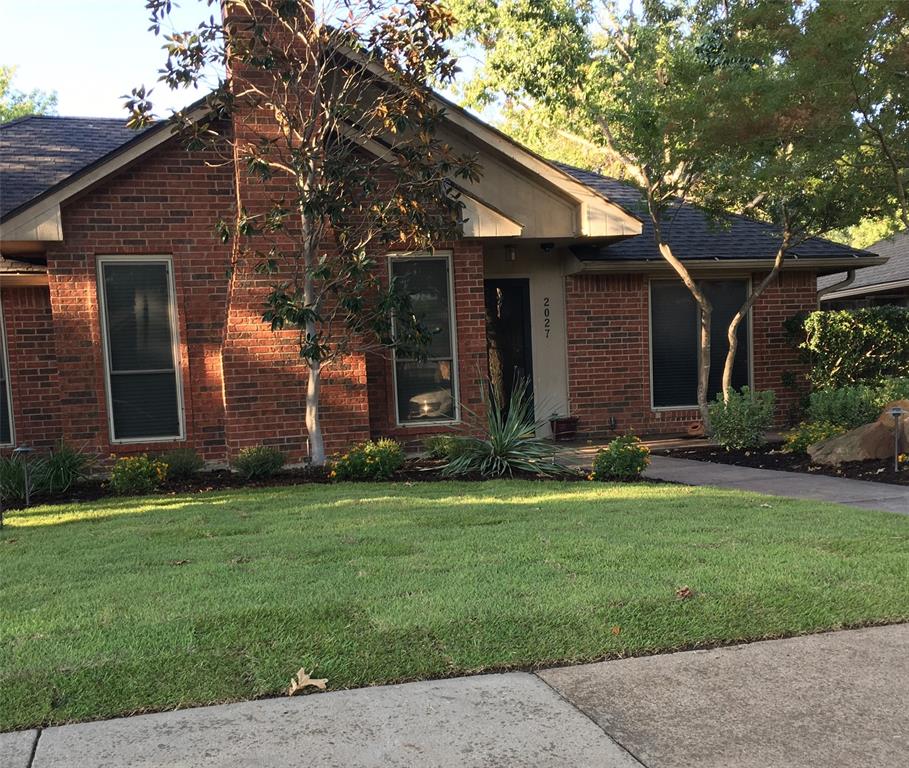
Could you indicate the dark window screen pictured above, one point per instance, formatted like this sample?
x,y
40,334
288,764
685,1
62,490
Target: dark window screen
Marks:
x,y
143,379
674,335
674,344
6,433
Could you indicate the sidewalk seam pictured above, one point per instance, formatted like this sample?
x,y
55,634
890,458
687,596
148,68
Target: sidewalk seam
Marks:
x,y
31,758
576,708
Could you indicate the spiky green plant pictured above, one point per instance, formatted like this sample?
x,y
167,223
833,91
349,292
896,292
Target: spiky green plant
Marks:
x,y
510,443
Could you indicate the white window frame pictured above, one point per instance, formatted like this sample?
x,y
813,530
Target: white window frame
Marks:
x,y
453,333
650,281
6,380
168,261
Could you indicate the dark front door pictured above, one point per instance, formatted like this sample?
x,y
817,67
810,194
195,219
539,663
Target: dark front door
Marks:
x,y
508,335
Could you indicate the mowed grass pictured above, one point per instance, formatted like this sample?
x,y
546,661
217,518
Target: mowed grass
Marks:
x,y
132,605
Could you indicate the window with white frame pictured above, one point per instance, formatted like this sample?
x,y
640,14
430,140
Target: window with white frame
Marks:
x,y
6,400
138,319
674,334
426,390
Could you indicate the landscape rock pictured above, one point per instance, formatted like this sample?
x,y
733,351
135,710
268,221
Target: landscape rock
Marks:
x,y
869,441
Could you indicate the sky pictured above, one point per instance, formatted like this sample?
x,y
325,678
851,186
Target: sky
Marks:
x,y
91,52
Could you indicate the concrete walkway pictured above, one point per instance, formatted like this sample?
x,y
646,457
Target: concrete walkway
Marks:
x,y
837,699
796,485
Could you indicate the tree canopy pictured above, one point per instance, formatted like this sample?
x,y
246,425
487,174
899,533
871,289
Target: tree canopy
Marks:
x,y
15,103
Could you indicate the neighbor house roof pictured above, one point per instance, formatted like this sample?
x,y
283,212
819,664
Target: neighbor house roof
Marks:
x,y
38,153
894,273
694,234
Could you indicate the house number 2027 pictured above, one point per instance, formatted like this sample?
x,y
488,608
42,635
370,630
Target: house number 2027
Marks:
x,y
547,315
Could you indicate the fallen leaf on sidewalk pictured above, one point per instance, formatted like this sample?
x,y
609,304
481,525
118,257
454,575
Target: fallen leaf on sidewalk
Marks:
x,y
302,680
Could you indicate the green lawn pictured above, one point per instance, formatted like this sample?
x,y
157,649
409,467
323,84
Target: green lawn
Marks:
x,y
129,605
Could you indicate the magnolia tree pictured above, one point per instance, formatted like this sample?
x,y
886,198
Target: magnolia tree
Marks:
x,y
694,100
325,112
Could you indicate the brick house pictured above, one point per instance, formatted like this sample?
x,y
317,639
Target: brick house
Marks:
x,y
121,332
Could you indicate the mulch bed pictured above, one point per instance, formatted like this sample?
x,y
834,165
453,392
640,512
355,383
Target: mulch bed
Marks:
x,y
413,471
773,457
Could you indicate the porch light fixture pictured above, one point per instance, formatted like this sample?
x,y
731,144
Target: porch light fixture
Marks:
x,y
896,412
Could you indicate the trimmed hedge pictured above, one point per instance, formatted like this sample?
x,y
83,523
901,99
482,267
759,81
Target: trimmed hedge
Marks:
x,y
856,346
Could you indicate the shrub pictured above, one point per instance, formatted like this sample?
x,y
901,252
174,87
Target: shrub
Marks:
x,y
137,474
625,458
855,346
810,432
65,467
444,446
372,460
12,477
510,443
258,462
742,422
852,406
182,463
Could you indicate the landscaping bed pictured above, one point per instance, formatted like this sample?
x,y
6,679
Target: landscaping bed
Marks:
x,y
150,603
414,471
773,457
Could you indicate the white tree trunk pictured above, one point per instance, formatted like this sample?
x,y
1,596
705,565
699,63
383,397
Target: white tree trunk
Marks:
x,y
313,424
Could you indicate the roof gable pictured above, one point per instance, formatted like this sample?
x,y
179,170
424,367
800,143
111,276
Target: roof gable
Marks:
x,y
38,153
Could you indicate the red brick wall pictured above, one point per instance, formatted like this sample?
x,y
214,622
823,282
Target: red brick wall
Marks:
x,y
33,376
608,351
166,205
470,319
774,357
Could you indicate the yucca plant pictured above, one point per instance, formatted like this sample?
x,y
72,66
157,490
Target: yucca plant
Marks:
x,y
510,444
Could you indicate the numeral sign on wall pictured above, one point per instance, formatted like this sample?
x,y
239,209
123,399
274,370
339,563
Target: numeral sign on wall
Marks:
x,y
547,318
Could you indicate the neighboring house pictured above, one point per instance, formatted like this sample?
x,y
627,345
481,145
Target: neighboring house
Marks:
x,y
122,332
871,286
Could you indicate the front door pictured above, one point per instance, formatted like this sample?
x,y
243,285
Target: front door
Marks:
x,y
508,335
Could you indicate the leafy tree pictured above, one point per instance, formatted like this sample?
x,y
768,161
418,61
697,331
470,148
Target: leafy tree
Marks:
x,y
15,104
334,140
710,101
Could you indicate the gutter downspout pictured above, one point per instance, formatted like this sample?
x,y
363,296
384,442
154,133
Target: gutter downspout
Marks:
x,y
849,279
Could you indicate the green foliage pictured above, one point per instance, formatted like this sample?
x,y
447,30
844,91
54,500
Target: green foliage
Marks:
x,y
258,462
372,460
137,474
742,422
625,458
856,346
852,406
12,478
811,432
15,104
182,463
444,446
510,444
65,467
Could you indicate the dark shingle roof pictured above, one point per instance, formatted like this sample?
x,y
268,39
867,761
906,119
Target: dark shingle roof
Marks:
x,y
692,233
895,248
37,153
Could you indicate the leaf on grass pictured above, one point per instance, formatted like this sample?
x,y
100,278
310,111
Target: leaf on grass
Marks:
x,y
683,593
302,680
179,562
616,630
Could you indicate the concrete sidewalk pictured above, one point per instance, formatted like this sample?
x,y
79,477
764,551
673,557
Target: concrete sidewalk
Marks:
x,y
836,699
796,485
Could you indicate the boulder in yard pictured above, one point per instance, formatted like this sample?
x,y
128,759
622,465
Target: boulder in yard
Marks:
x,y
869,441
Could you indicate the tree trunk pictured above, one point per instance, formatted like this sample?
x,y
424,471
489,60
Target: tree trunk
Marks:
x,y
313,424
732,331
706,312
